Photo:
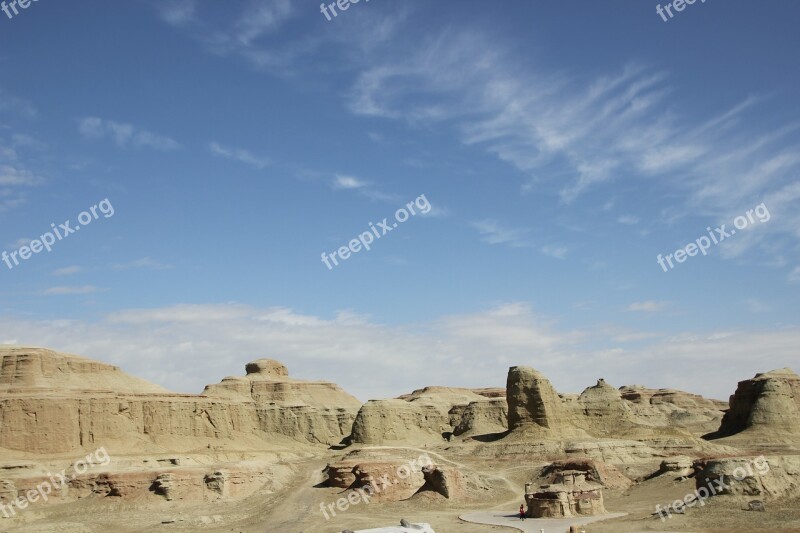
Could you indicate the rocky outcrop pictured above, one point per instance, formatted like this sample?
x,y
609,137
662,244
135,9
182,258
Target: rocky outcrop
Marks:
x,y
341,474
482,418
267,382
44,372
594,471
603,411
390,481
772,477
153,483
395,474
680,466
437,480
669,407
52,403
534,405
454,483
428,415
399,421
599,412
764,409
388,474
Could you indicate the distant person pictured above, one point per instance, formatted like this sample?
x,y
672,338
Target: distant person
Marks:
x,y
522,512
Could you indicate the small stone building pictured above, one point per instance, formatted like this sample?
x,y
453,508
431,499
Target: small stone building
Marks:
x,y
570,495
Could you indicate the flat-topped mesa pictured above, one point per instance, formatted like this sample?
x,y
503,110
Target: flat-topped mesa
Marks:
x,y
268,382
53,403
39,371
766,407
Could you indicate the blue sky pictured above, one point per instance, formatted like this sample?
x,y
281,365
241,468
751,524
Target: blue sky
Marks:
x,y
562,147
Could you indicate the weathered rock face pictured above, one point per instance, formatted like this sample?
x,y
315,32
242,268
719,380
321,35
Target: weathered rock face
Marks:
x,y
195,484
678,466
774,477
54,402
445,481
603,411
341,474
390,473
390,481
594,471
267,382
425,416
533,403
399,421
268,368
766,407
393,474
603,400
42,371
668,407
482,417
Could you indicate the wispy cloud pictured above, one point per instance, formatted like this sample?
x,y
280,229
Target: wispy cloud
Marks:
x,y
587,132
475,349
24,140
342,181
240,155
20,106
144,262
629,220
648,306
794,275
557,252
177,12
757,306
124,135
492,232
262,18
346,182
15,178
11,176
279,37
19,243
69,291
248,35
67,271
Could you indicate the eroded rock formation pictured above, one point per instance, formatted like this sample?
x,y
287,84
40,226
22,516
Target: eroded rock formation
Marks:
x,y
427,415
52,402
534,405
772,477
765,408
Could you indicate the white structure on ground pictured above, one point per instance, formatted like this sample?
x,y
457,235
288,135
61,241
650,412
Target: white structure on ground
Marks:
x,y
415,528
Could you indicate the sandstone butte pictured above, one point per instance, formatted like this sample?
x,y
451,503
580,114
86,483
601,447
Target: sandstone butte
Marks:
x,y
252,450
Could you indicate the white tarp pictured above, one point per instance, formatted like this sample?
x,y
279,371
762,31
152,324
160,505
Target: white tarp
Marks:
x,y
420,528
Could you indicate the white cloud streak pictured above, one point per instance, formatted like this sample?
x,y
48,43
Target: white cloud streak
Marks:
x,y
124,135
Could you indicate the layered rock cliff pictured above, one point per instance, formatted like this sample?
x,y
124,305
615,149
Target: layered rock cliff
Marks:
x,y
52,403
534,405
764,409
427,415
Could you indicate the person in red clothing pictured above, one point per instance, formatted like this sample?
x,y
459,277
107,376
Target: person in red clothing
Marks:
x,y
522,512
